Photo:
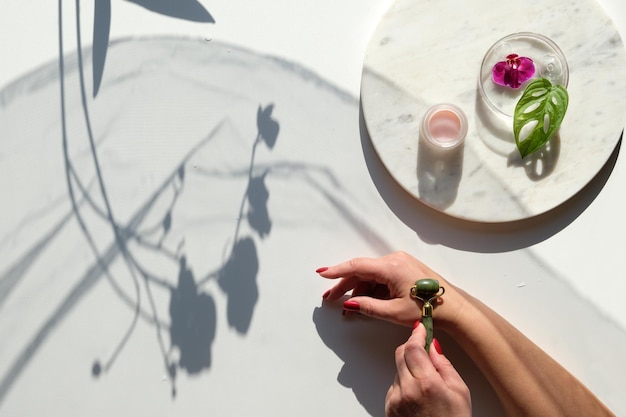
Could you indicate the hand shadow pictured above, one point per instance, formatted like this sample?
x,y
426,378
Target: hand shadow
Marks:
x,y
367,347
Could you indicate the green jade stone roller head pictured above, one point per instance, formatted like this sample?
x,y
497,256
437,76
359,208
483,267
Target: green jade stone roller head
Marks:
x,y
427,290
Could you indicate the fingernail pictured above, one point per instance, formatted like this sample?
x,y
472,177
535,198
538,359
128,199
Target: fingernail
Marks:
x,y
351,305
322,269
326,294
417,323
437,346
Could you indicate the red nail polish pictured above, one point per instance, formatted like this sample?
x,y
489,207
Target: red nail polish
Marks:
x,y
326,294
322,269
417,323
351,305
437,346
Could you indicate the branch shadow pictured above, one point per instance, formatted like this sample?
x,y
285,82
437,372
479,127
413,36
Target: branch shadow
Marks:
x,y
190,332
12,276
192,310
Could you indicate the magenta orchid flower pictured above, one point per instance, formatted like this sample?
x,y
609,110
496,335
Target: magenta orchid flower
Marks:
x,y
514,71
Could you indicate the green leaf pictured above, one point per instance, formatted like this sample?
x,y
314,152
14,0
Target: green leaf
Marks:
x,y
540,109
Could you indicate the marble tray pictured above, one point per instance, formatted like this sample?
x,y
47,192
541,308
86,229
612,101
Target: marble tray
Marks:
x,y
430,51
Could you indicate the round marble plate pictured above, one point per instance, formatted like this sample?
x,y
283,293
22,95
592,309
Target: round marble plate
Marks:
x,y
430,51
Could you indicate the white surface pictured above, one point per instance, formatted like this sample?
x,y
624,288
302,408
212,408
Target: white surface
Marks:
x,y
330,198
409,67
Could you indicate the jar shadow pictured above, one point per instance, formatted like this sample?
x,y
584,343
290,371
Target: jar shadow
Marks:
x,y
439,173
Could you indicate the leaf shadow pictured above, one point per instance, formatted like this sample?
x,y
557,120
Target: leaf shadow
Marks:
x,y
193,322
258,215
101,33
190,10
238,279
541,163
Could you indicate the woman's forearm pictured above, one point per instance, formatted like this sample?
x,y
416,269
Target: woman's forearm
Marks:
x,y
526,379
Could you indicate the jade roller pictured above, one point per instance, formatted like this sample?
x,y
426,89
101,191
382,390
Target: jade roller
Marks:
x,y
427,290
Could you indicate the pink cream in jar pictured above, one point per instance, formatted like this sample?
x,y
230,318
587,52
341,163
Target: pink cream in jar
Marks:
x,y
444,126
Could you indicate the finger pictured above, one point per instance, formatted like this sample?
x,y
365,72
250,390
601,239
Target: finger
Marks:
x,y
343,286
445,368
371,289
396,381
402,370
363,288
367,269
417,359
389,310
380,291
391,400
390,391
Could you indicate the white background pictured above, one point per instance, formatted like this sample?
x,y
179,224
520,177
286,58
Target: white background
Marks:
x,y
559,278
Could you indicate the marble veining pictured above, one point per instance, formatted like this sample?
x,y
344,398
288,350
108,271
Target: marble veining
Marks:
x,y
428,52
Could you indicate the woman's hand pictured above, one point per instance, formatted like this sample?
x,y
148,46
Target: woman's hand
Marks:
x,y
426,383
381,287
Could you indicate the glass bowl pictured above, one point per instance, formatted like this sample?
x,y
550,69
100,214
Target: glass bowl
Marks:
x,y
549,60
